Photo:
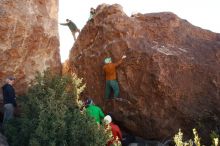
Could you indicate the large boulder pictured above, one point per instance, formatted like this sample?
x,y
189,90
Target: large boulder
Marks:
x,y
29,40
170,78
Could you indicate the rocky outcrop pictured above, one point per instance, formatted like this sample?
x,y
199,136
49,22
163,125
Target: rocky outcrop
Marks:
x,y
28,39
171,76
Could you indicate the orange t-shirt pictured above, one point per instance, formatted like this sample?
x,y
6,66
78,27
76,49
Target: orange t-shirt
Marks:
x,y
110,70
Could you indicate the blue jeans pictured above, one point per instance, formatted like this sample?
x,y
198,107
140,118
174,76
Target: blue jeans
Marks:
x,y
8,112
111,84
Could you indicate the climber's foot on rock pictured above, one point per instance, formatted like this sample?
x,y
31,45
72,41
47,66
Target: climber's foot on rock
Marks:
x,y
122,100
118,99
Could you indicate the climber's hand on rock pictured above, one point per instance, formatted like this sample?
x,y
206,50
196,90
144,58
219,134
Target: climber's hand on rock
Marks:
x,y
124,56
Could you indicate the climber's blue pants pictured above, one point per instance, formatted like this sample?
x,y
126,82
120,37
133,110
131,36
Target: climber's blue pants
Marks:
x,y
111,84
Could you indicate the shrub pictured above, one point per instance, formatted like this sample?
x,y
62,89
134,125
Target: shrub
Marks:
x,y
178,139
51,116
215,138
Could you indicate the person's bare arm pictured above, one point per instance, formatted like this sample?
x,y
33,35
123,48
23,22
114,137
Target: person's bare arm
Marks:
x,y
120,61
63,23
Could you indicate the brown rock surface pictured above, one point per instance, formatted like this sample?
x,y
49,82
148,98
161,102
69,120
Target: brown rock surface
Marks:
x,y
28,39
171,74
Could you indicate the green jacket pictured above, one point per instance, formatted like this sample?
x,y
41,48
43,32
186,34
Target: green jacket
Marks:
x,y
95,112
72,26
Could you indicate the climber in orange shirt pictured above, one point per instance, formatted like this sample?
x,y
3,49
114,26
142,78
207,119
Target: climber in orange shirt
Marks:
x,y
110,75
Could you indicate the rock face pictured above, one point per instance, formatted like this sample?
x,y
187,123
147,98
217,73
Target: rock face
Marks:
x,y
28,39
171,75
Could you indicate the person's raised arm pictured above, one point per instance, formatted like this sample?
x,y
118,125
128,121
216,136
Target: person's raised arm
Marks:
x,y
120,61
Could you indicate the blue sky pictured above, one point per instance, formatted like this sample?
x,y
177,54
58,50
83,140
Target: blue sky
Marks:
x,y
202,13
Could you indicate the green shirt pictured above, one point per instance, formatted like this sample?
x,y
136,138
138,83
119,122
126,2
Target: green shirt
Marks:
x,y
95,112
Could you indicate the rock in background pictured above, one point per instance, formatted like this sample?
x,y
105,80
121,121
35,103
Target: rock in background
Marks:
x,y
171,75
28,40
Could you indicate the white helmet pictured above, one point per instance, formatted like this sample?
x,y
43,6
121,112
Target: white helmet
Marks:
x,y
108,119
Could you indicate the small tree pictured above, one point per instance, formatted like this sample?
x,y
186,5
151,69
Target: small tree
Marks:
x,y
178,139
215,138
51,116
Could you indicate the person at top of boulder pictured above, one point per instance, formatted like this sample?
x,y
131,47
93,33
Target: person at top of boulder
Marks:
x,y
92,13
94,111
110,76
72,26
